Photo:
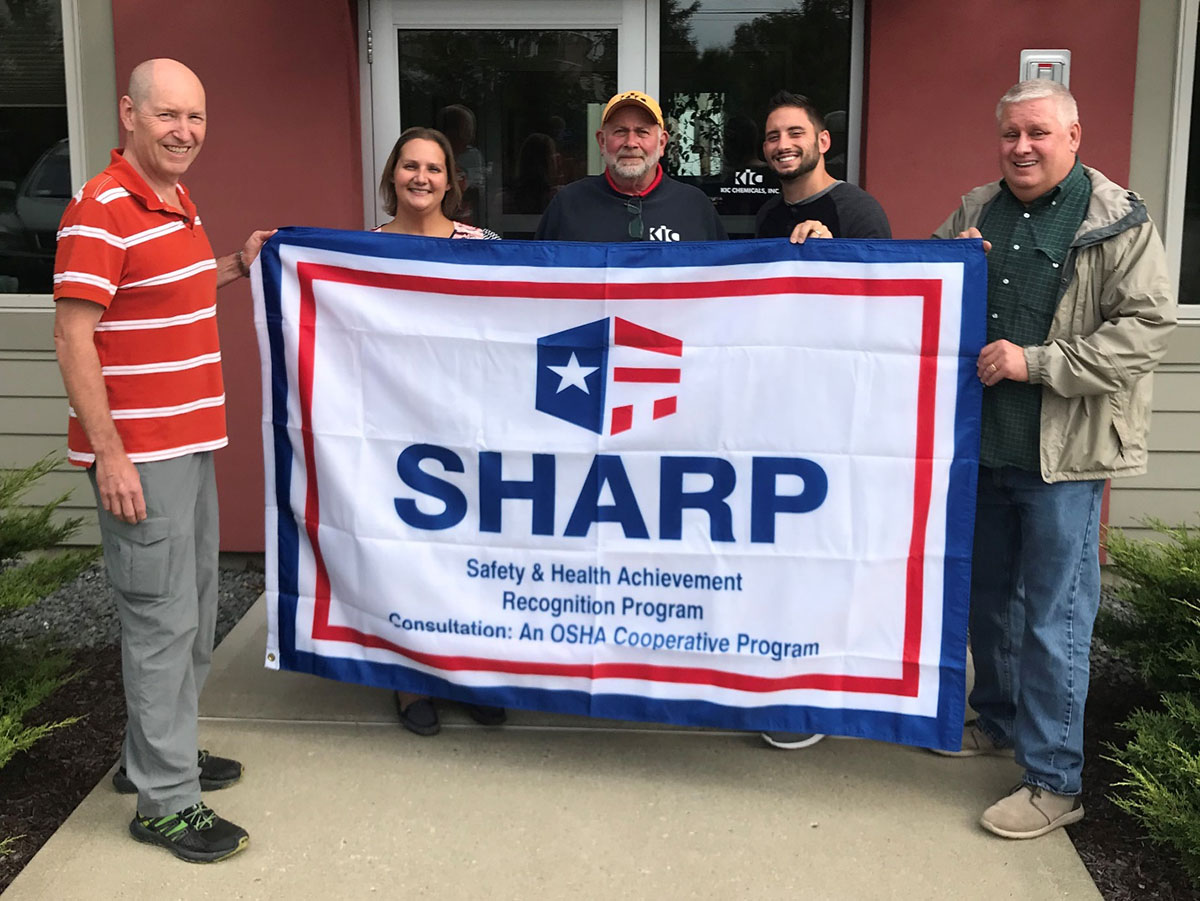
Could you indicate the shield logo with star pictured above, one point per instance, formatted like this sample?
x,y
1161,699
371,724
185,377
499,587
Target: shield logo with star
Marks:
x,y
573,373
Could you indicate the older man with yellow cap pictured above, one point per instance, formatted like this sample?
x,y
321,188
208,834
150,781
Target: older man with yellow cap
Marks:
x,y
633,199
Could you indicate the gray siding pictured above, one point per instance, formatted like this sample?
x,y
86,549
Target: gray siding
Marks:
x,y
33,411
1170,489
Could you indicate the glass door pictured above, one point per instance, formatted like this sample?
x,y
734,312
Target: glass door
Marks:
x,y
516,85
722,60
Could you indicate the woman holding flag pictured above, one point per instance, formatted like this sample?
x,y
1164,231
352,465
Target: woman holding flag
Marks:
x,y
420,190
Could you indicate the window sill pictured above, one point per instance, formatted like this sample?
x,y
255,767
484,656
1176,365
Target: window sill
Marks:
x,y
24,303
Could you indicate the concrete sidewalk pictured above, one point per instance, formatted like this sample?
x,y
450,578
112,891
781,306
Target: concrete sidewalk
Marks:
x,y
340,802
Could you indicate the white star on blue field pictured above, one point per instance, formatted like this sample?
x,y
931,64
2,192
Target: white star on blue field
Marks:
x,y
573,375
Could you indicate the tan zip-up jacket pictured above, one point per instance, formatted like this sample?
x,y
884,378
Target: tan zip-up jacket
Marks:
x,y
1109,331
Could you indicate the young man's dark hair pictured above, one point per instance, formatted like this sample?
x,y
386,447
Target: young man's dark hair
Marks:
x,y
799,101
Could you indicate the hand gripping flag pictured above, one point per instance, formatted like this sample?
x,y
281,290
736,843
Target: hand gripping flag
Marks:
x,y
726,484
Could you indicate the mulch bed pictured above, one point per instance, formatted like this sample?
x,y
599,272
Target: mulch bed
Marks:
x,y
40,788
1111,843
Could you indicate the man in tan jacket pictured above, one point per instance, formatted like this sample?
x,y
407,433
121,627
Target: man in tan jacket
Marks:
x,y
1079,309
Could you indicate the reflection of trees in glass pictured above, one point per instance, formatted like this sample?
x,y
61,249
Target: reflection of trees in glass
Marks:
x,y
466,62
805,49
516,83
675,26
31,35
474,66
33,94
696,122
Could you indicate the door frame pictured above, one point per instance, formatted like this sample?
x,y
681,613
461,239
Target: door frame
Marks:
x,y
636,23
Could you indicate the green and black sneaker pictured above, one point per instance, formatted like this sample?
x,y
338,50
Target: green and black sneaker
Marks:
x,y
195,834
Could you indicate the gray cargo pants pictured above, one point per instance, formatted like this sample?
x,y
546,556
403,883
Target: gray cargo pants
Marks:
x,y
164,572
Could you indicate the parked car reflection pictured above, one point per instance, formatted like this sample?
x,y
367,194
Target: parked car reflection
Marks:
x,y
29,215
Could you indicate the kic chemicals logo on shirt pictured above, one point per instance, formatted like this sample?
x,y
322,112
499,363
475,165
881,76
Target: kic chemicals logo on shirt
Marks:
x,y
608,372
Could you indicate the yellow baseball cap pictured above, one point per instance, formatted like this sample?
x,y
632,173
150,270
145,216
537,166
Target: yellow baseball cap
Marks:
x,y
633,98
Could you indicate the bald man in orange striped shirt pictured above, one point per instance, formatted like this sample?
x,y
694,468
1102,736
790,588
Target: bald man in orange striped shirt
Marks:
x,y
135,331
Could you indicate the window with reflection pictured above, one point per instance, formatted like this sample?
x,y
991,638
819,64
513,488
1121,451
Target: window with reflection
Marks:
x,y
1189,258
35,164
721,60
519,107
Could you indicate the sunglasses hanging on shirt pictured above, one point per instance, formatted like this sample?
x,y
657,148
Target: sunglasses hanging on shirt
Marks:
x,y
636,227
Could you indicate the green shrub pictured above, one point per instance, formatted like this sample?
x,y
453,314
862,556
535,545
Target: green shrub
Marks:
x,y
29,529
30,674
1159,580
1163,786
25,579
21,585
1158,631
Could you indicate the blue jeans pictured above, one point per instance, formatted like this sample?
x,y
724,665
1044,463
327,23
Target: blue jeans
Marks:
x,y
1035,588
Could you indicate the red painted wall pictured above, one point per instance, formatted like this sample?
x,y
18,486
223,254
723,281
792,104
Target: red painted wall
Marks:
x,y
935,70
283,148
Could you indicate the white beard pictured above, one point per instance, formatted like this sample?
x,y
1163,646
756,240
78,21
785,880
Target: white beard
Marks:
x,y
629,168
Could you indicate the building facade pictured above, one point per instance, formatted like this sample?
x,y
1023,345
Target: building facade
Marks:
x,y
305,99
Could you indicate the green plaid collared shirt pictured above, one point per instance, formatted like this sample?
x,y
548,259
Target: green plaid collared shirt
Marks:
x,y
1026,268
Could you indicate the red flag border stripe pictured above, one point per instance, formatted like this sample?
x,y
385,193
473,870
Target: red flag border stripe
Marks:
x,y
929,290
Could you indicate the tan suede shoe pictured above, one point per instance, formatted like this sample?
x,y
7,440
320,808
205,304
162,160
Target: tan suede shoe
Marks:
x,y
975,743
1030,811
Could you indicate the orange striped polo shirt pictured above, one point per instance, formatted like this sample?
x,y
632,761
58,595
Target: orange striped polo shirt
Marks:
x,y
153,271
